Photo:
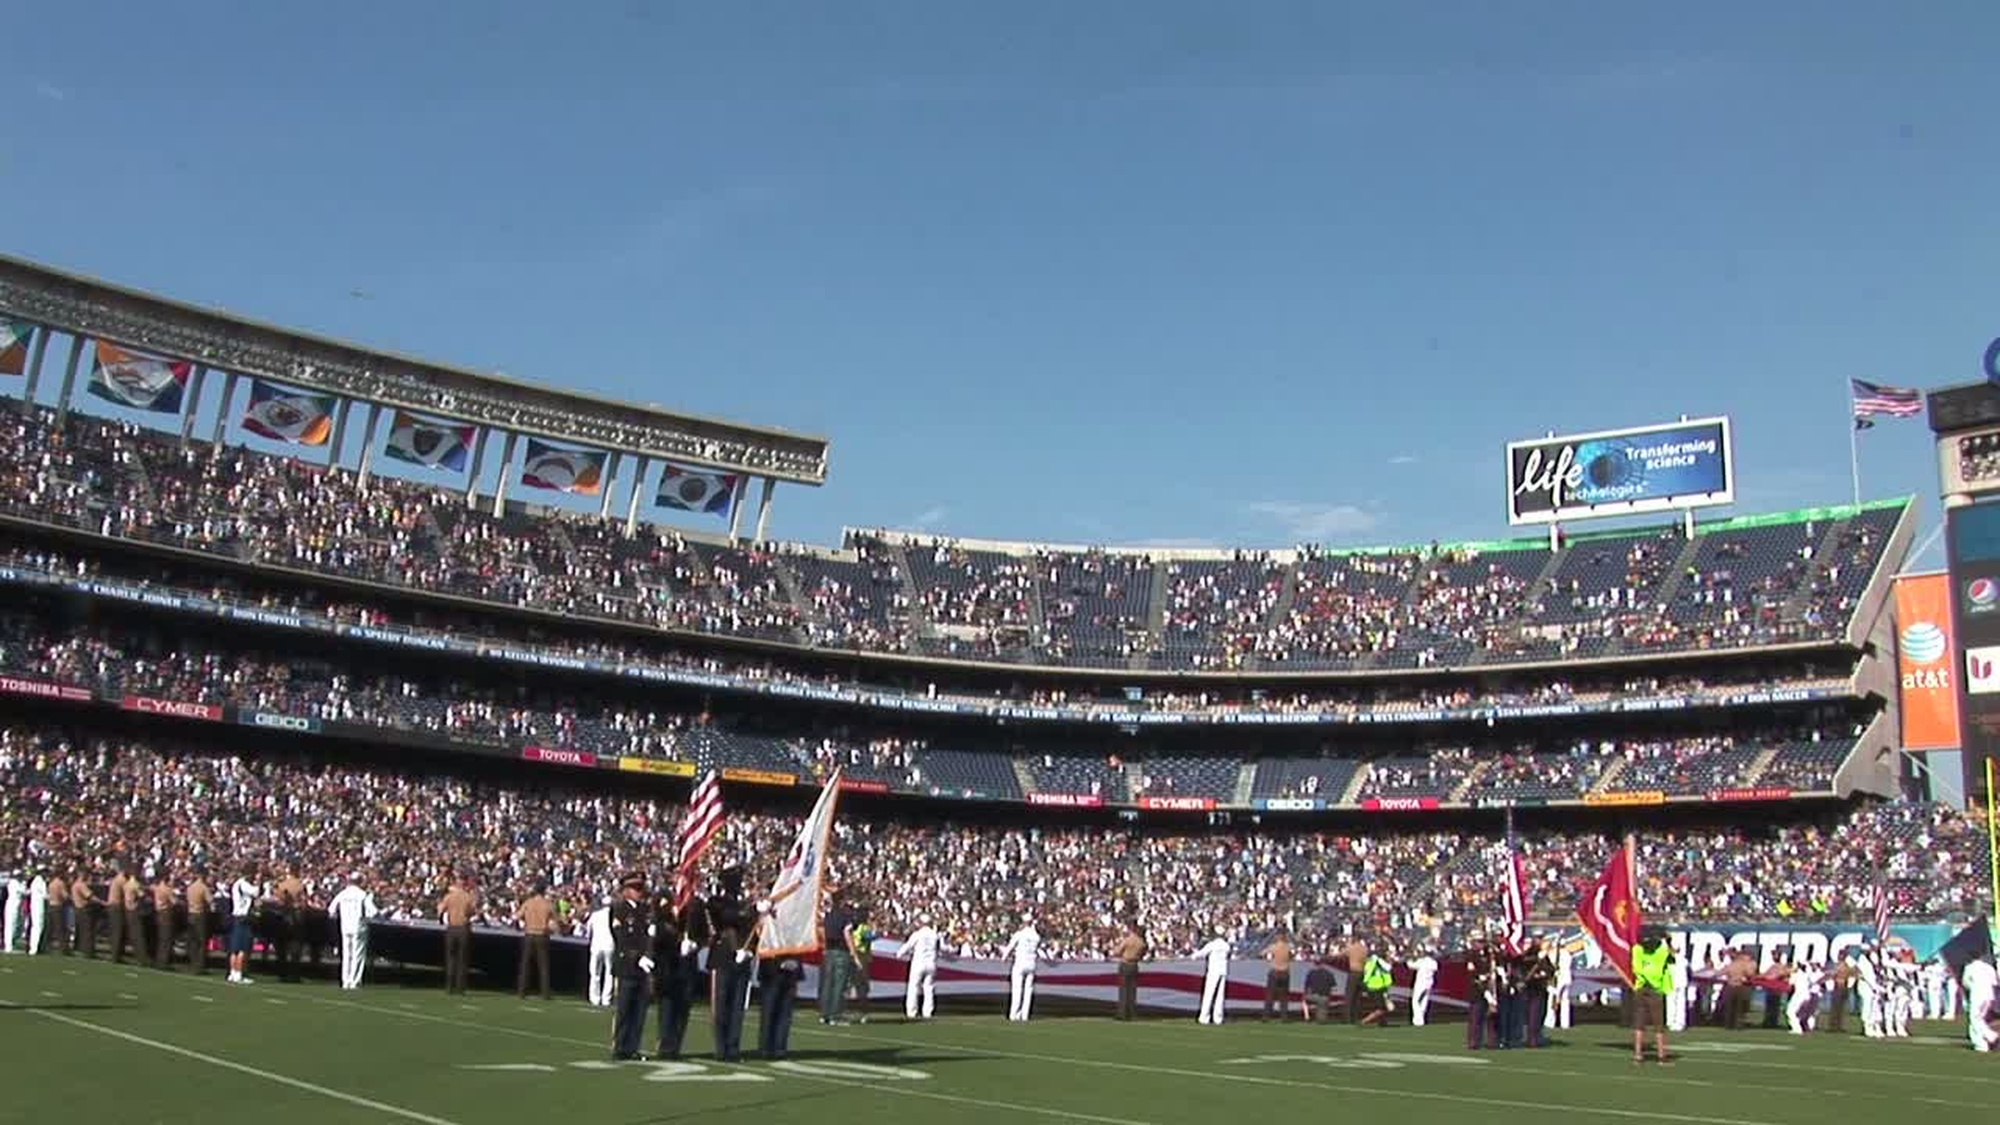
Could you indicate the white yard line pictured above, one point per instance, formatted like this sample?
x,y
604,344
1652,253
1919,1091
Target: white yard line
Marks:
x,y
240,1068
1281,1036
523,1033
1557,1108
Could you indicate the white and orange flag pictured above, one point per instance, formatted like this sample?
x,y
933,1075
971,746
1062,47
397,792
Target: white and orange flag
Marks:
x,y
792,927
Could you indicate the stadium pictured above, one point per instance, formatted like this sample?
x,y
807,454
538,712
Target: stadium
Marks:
x,y
219,657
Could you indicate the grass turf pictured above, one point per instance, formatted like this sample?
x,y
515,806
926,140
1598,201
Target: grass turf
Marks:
x,y
89,1038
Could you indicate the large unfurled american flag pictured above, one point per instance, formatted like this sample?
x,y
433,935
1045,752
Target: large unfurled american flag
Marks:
x,y
1881,913
698,831
1871,399
1513,899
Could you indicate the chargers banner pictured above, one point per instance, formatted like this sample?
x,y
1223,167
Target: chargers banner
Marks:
x,y
283,414
1925,655
1619,472
692,490
14,338
552,468
414,440
138,381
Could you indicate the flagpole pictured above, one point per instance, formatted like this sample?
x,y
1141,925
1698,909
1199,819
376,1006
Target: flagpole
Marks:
x,y
1854,449
1993,835
1632,870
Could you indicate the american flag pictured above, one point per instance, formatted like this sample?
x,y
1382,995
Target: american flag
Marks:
x,y
698,831
1881,913
1514,898
1871,399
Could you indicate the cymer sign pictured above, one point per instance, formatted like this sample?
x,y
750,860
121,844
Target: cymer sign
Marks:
x,y
1618,472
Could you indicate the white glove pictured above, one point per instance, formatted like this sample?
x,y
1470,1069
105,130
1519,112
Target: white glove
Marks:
x,y
687,948
763,906
645,964
743,957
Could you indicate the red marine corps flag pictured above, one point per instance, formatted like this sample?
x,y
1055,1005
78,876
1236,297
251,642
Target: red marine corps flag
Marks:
x,y
1610,910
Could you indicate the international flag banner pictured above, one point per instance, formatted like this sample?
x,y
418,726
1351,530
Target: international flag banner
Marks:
x,y
578,471
692,490
139,381
293,417
433,445
703,824
15,337
1610,911
792,927
1872,400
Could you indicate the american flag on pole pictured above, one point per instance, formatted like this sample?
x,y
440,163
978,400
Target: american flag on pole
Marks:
x,y
698,831
1881,913
1872,399
1514,898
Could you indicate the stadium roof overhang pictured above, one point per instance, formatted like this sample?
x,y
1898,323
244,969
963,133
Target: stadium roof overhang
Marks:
x,y
87,306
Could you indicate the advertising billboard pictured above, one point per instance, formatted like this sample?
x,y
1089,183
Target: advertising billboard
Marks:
x,y
1972,539
1620,472
1925,657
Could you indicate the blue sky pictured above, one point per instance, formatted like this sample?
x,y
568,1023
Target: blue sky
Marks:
x,y
1115,272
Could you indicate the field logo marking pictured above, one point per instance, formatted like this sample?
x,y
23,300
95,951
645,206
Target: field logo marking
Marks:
x,y
1366,1060
663,1070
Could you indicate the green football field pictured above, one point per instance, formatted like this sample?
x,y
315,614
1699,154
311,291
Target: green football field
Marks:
x,y
91,1041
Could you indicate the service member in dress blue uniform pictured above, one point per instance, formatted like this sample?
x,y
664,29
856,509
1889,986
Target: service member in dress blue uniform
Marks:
x,y
730,963
631,964
678,938
778,983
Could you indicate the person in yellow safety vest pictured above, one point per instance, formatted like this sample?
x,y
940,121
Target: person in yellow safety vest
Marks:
x,y
1376,982
1652,959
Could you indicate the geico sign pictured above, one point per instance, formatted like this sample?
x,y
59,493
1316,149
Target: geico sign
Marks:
x,y
280,722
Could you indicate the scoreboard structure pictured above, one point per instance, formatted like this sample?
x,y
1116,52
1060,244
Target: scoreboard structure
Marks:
x,y
1966,422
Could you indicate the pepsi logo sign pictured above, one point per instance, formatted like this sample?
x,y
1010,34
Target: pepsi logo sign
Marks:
x,y
1982,595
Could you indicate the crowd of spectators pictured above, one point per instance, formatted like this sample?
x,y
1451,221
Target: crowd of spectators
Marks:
x,y
1327,610
115,662
85,803
1578,686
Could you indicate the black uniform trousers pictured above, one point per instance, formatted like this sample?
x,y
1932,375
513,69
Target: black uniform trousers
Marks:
x,y
86,931
198,942
116,922
674,987
1476,1015
1537,1010
290,931
1512,1009
1277,990
780,998
55,935
1128,990
457,953
633,989
535,954
732,992
163,939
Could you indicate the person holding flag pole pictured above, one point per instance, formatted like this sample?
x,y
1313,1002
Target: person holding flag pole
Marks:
x,y
1610,913
787,929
